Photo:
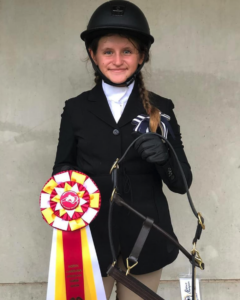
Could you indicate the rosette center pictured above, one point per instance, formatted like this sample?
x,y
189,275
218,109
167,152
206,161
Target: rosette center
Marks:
x,y
69,200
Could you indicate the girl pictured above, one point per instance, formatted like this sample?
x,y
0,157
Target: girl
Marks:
x,y
97,127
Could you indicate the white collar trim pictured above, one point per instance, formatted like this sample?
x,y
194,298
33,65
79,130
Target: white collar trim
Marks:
x,y
117,93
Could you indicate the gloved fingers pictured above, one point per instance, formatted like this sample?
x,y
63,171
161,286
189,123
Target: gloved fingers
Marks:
x,y
147,146
156,158
152,149
146,137
138,143
147,153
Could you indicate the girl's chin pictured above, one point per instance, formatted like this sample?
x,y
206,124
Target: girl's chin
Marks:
x,y
117,79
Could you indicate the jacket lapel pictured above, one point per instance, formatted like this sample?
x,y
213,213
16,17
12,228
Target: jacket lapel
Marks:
x,y
99,105
133,108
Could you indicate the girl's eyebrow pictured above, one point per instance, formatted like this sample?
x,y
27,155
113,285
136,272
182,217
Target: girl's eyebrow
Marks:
x,y
106,48
109,48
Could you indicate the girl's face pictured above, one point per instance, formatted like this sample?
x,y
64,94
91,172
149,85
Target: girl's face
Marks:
x,y
117,57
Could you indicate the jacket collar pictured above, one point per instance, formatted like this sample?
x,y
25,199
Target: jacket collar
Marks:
x,y
100,108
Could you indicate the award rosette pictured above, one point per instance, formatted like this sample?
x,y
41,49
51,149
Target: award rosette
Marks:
x,y
69,201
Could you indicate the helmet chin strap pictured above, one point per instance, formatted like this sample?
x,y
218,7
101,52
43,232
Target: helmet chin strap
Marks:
x,y
108,81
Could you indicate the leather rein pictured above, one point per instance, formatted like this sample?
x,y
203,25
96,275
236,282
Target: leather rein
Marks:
x,y
148,223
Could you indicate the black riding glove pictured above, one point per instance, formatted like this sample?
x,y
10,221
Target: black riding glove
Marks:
x,y
152,149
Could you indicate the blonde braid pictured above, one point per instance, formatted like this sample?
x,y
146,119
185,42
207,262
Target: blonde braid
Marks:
x,y
97,78
151,110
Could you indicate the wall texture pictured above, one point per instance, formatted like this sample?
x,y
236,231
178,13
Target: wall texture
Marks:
x,y
195,62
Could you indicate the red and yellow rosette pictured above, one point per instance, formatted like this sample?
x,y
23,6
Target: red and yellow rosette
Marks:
x,y
69,201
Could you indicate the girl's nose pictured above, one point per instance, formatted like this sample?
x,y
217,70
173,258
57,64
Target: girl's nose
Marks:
x,y
118,59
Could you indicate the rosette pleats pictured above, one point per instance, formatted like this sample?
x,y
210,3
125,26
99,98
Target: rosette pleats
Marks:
x,y
70,201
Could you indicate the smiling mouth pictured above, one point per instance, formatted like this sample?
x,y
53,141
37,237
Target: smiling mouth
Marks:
x,y
117,70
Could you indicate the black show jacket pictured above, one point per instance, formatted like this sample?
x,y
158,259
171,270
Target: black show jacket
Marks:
x,y
90,141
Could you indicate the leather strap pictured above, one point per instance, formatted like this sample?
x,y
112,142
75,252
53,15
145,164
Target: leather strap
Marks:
x,y
119,201
114,175
198,232
132,284
114,256
143,234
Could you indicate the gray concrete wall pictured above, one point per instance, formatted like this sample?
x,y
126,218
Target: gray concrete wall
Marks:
x,y
195,62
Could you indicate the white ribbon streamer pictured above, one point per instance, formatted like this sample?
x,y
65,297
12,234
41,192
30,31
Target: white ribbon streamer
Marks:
x,y
95,265
52,268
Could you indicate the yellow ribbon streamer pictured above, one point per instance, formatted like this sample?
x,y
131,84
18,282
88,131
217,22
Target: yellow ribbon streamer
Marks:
x,y
60,286
89,286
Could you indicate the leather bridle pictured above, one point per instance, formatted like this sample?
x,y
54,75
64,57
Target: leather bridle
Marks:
x,y
193,256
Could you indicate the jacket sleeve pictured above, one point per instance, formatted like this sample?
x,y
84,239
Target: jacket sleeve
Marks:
x,y
170,172
67,145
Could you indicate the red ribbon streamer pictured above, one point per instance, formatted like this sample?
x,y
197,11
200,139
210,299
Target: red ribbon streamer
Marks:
x,y
72,248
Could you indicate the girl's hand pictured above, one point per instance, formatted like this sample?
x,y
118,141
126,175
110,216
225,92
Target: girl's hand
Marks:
x,y
152,149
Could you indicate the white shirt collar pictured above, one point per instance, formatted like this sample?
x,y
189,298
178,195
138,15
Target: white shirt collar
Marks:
x,y
117,93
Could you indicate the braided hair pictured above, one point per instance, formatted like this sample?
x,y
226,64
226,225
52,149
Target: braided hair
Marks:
x,y
97,78
151,110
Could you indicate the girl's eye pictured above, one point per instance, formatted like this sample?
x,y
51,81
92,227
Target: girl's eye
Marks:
x,y
108,52
127,52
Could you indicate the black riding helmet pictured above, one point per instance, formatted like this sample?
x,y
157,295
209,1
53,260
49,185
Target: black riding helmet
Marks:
x,y
118,17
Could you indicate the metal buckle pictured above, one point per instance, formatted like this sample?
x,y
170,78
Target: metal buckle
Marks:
x,y
200,220
113,192
114,263
198,258
130,267
115,165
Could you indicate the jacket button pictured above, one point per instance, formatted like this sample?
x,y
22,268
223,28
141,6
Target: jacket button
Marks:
x,y
170,172
116,132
